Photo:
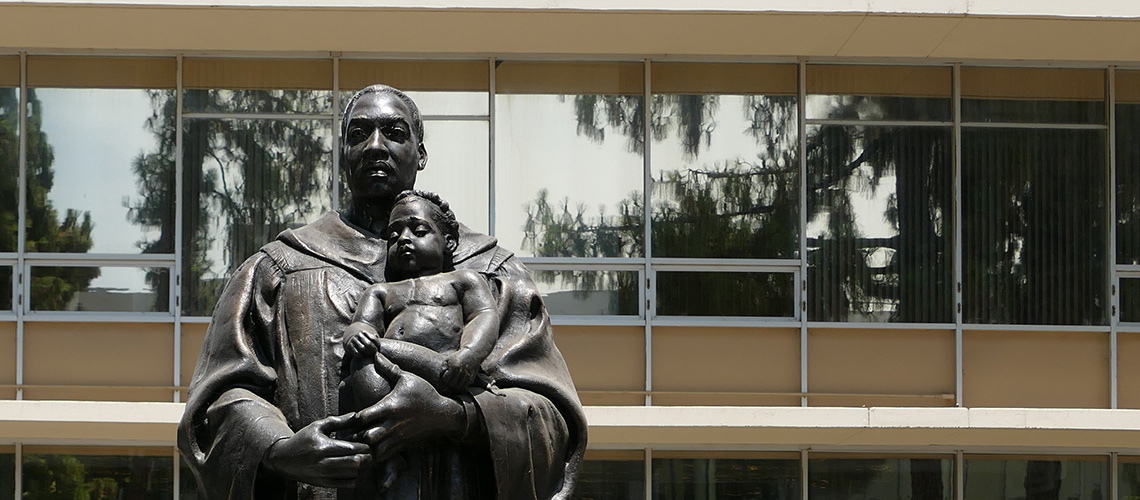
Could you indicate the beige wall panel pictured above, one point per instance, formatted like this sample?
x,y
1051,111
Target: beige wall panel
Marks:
x,y
10,71
1041,39
1127,87
740,362
416,75
521,77
897,36
866,363
606,359
1036,369
1033,83
713,78
914,81
1128,370
118,357
223,73
193,334
7,360
103,72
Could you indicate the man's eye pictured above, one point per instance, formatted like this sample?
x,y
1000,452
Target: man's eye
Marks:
x,y
357,134
397,134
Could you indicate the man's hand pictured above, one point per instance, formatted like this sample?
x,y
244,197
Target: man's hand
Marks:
x,y
412,412
363,340
312,456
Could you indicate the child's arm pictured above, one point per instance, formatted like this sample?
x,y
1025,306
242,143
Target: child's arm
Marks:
x,y
362,335
480,329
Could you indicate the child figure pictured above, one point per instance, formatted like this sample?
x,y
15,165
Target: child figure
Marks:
x,y
438,323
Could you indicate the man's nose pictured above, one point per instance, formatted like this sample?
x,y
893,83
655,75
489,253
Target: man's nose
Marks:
x,y
375,145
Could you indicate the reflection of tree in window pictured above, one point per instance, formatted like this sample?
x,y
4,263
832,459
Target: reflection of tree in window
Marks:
x,y
70,477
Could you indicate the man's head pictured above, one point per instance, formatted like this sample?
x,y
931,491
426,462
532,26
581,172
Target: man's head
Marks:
x,y
383,149
422,234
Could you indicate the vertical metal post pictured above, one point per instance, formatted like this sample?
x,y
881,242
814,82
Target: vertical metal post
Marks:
x,y
491,146
179,255
177,476
647,199
1113,476
801,124
805,487
21,234
959,476
336,132
959,361
1113,279
19,482
648,473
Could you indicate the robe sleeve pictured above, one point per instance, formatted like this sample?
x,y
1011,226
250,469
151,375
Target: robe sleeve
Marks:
x,y
230,420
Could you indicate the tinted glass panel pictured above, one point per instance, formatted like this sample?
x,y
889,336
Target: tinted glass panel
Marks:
x,y
7,476
568,159
1034,211
1128,168
881,479
839,92
79,475
5,288
880,212
119,289
589,292
753,479
1129,472
101,170
988,479
9,167
255,85
725,294
1033,95
246,181
1130,300
611,480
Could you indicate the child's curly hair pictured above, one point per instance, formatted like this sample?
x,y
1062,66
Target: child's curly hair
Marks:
x,y
443,217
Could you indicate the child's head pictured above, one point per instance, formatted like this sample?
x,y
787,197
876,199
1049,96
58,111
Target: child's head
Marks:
x,y
422,235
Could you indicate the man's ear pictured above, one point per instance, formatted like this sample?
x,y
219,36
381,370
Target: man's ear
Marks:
x,y
423,157
452,243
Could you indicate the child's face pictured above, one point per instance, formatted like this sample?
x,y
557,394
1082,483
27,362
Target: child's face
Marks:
x,y
416,244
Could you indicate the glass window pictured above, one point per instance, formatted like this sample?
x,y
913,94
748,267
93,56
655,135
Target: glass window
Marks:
x,y
930,478
246,181
568,158
104,289
220,85
9,151
6,276
1130,300
590,293
880,236
1035,478
438,87
611,475
757,294
725,170
7,473
1033,95
1033,226
1127,167
727,476
1129,477
100,155
81,472
897,93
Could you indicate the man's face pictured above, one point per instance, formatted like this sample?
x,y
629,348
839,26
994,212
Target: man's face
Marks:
x,y
381,151
417,246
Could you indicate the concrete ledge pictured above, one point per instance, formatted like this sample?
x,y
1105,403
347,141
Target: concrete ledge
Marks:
x,y
1010,429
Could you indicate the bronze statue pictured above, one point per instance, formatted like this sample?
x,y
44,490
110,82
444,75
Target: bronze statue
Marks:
x,y
264,417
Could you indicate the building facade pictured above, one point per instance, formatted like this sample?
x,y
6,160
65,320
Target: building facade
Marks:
x,y
825,251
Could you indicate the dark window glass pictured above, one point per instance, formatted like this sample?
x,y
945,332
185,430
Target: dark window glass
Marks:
x,y
611,480
1129,476
1130,300
881,479
880,235
5,288
1037,479
1128,183
106,289
1033,226
246,181
7,476
725,294
743,478
76,475
589,292
897,93
9,167
1033,95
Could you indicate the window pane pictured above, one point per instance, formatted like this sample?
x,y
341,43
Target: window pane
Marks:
x,y
725,294
5,288
880,212
997,479
77,473
248,180
589,292
725,172
1127,167
118,289
438,87
9,166
1032,95
100,170
569,159
257,85
7,475
1033,217
610,477
1129,471
881,479
1130,300
839,92
750,478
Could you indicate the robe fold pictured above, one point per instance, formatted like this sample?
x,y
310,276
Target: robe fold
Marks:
x,y
270,365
